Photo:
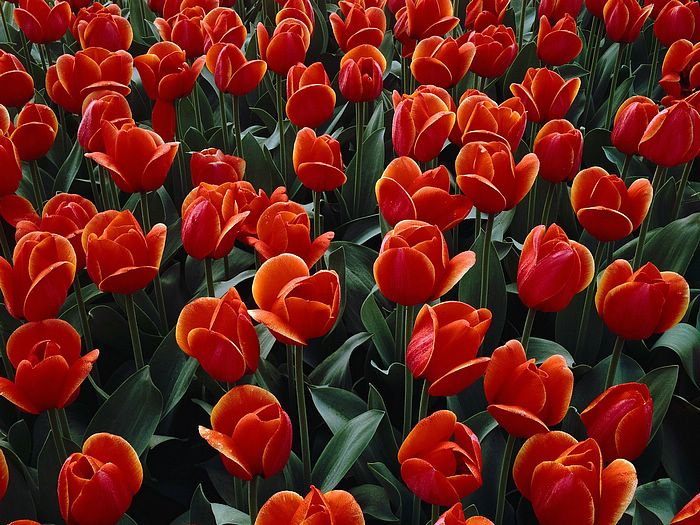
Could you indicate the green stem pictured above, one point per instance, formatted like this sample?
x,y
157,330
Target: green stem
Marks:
x,y
408,376
157,283
588,301
503,480
145,212
280,128
527,328
134,331
113,191
37,185
253,499
551,189
301,406
424,400
654,65
485,255
181,152
435,514
197,112
613,84
477,224
84,322
227,268
5,26
681,189
57,435
659,174
416,510
614,360
400,318
209,274
626,167
96,196
317,214
359,139
238,132
65,426
405,75
224,128
591,76
593,40
531,203
104,190
521,24
238,497
6,252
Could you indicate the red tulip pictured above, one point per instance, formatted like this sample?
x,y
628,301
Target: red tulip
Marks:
x,y
222,25
301,10
337,507
545,94
442,62
184,29
631,120
678,21
420,19
233,73
102,26
286,47
213,166
483,13
624,19
361,26
657,6
12,167
688,515
559,147
40,22
455,516
255,202
680,70
556,10
111,107
673,136
480,119
559,44
35,131
595,7
16,85
496,49
317,161
310,97
361,80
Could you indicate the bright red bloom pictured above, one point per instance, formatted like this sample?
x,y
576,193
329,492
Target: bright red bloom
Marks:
x,y
40,22
310,97
337,507
286,47
631,120
361,26
441,459
111,107
12,167
414,265
184,29
558,44
420,19
222,25
442,62
317,161
559,147
480,119
672,137
35,131
680,70
301,10
545,94
657,6
556,10
496,48
16,85
688,515
678,21
213,166
455,516
49,369
233,72
361,80
220,335
483,13
624,19
97,485
255,202
595,7
659,300
102,26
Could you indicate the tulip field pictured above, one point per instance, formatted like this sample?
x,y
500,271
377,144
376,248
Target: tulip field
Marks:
x,y
346,262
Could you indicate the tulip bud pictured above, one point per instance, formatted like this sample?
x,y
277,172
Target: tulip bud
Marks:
x,y
233,73
631,120
336,506
35,131
556,10
559,147
496,49
362,26
559,44
213,166
483,13
672,137
317,161
545,94
624,19
16,85
421,19
678,21
442,62
42,23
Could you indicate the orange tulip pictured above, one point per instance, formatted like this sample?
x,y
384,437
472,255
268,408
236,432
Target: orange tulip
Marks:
x,y
673,136
360,80
441,459
213,166
680,70
605,207
483,13
444,345
73,78
523,398
677,21
49,369
496,50
414,265
170,8
317,161
489,177
44,268
689,514
659,300
16,85
301,10
620,421
558,44
243,412
184,29
97,485
420,19
286,47
211,221
442,62
284,227
361,26
233,72
337,507
631,120
310,97
112,107
35,131
12,168
403,192
222,25
4,475
220,335
255,202
624,19
480,119
552,269
137,159
556,10
455,516
565,480
120,258
40,22
102,26
545,94
559,147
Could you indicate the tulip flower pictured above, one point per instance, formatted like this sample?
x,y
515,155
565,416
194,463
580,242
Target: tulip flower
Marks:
x,y
184,29
301,10
688,515
246,411
489,177
40,22
672,137
558,44
545,94
44,268
483,13
337,506
442,62
444,345
255,202
97,485
481,119
16,85
559,148
404,192
119,257
680,70
605,207
563,478
624,19
556,10
294,305
678,21
361,26
12,167
286,46
220,335
441,459
360,80
317,161
420,19
213,166
112,107
233,73
170,8
496,50
223,26
631,121
310,97
595,7
414,265
45,349
35,131
102,26
455,516
659,300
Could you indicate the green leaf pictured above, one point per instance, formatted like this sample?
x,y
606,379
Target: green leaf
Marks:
x,y
395,488
374,502
201,512
372,168
663,498
18,502
344,448
334,370
672,248
69,170
48,466
171,371
336,262
481,424
337,406
376,324
592,384
541,349
132,411
661,383
684,340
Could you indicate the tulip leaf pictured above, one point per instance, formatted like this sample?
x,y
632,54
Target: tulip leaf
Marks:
x,y
376,324
171,371
372,168
201,512
661,383
69,170
344,448
334,370
336,262
399,495
374,502
258,170
49,465
126,520
542,349
337,406
132,411
592,384
673,247
680,454
18,501
662,498
684,340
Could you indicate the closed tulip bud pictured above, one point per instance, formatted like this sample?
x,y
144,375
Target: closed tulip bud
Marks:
x,y
552,269
361,80
480,119
545,94
286,47
284,227
40,22
112,107
44,268
680,70
442,62
41,349
404,192
294,305
562,478
556,10
672,137
659,300
420,19
523,398
441,459
336,506
97,485
489,177
455,516
689,514
310,97
119,257
222,25
558,44
317,161
605,207
184,29
233,72
103,27
483,13
624,19
657,6
35,131
631,121
361,26
220,335
559,147
444,345
12,168
678,21
16,85
414,265
213,166
496,49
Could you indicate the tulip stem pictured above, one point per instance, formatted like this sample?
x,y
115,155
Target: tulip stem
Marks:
x,y
84,322
134,331
416,510
593,38
237,123
408,376
654,65
659,174
477,225
613,84
317,214
503,479
253,499
280,128
681,189
614,360
485,255
63,419
551,190
7,365
301,407
37,185
424,401
626,167
527,328
4,22
105,199
6,252
587,302
157,284
521,24
435,514
359,139
209,275
224,127
591,74
398,332
57,434
195,105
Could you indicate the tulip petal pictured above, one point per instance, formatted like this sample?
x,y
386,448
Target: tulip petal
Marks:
x,y
280,508
560,496
619,481
273,275
536,450
405,276
517,421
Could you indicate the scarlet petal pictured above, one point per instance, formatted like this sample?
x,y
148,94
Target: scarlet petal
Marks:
x,y
517,421
405,276
561,496
536,450
280,508
619,481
